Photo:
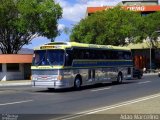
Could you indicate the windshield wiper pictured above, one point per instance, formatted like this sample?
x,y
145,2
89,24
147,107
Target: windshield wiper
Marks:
x,y
48,61
38,63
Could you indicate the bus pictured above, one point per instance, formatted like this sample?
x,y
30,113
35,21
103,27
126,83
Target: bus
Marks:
x,y
70,64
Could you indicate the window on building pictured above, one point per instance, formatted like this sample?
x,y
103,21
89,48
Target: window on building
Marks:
x,y
12,67
0,67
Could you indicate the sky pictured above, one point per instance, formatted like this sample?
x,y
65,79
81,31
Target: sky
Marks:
x,y
73,12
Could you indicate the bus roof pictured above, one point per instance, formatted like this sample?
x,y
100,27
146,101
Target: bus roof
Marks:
x,y
64,45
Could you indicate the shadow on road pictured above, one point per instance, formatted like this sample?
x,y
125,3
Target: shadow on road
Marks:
x,y
83,88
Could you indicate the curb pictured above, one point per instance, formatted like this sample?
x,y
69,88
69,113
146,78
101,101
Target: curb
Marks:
x,y
146,74
15,83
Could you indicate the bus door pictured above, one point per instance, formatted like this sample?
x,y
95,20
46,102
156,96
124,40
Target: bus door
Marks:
x,y
91,75
105,74
110,73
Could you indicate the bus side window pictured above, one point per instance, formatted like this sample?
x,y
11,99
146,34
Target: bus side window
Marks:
x,y
108,54
75,54
87,55
121,55
129,71
104,55
114,55
92,55
127,55
99,54
68,57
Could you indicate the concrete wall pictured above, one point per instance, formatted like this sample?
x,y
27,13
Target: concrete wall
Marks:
x,y
19,75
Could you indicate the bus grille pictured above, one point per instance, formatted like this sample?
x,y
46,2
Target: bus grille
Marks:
x,y
44,72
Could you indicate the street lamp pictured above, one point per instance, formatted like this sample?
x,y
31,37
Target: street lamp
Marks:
x,y
150,45
150,54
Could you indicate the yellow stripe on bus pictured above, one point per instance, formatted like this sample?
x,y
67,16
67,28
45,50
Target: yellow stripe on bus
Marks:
x,y
47,67
56,45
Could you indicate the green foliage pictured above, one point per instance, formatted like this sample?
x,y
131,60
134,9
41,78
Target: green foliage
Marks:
x,y
114,26
23,20
153,24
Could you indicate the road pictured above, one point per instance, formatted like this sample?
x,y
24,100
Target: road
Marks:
x,y
51,104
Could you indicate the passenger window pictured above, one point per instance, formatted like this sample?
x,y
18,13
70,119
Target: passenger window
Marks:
x,y
69,57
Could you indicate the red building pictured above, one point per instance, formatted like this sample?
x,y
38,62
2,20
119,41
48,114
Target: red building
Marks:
x,y
142,9
15,66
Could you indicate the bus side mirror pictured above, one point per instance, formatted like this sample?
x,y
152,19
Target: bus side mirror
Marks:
x,y
66,54
67,57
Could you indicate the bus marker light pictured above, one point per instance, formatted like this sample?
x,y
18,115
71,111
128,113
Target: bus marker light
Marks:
x,y
59,77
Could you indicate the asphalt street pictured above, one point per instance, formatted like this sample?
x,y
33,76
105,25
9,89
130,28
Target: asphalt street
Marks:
x,y
40,103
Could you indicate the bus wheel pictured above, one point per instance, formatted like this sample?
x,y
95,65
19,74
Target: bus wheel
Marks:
x,y
77,83
139,76
51,89
119,78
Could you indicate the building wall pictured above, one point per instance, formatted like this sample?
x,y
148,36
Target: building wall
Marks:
x,y
27,71
15,66
17,75
141,58
138,2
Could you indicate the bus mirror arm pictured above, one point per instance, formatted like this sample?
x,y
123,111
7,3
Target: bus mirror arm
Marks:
x,y
67,57
66,54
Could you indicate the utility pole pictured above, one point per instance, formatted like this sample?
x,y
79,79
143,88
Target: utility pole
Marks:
x,y
150,47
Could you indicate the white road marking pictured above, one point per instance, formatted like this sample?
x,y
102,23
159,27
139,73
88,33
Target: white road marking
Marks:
x,y
101,89
18,102
144,82
77,115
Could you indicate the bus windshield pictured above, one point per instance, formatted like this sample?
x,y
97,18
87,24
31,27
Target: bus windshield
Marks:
x,y
48,57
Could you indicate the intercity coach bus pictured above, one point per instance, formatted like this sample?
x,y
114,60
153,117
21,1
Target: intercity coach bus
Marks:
x,y
71,64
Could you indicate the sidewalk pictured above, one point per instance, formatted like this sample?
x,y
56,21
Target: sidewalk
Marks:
x,y
145,105
15,83
145,74
145,108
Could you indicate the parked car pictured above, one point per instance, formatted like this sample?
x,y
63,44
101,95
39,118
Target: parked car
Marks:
x,y
159,74
137,73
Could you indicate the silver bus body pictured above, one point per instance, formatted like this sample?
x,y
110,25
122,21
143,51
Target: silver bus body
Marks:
x,y
50,78
87,70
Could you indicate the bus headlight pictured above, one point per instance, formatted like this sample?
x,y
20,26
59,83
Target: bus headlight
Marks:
x,y
59,77
34,78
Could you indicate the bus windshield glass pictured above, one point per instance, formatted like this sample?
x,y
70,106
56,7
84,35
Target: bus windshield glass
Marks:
x,y
48,57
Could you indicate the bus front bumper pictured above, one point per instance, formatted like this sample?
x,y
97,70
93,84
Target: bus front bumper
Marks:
x,y
52,84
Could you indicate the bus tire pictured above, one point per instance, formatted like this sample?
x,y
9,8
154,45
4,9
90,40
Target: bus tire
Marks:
x,y
139,76
77,82
119,78
51,89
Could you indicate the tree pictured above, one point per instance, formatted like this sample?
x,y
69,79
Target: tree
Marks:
x,y
112,26
23,20
152,27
